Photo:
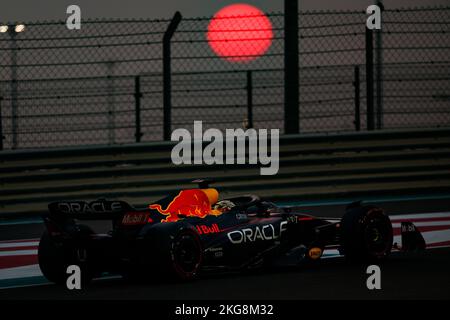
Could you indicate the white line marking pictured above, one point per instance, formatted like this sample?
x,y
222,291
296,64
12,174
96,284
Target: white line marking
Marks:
x,y
436,236
20,240
18,253
419,215
21,272
19,244
26,285
424,224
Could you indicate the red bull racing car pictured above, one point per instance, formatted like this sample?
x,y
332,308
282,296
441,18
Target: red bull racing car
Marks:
x,y
191,232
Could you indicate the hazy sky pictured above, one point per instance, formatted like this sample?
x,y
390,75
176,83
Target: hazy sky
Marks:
x,y
31,10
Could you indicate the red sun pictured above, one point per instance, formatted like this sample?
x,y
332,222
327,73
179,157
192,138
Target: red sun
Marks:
x,y
240,33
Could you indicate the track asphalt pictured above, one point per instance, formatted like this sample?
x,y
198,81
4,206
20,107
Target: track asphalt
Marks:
x,y
423,275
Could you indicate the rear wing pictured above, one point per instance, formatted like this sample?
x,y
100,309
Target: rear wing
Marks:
x,y
96,210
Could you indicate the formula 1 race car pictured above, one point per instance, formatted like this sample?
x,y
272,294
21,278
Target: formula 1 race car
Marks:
x,y
191,232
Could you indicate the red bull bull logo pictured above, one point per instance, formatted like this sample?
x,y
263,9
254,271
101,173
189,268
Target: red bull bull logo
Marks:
x,y
190,203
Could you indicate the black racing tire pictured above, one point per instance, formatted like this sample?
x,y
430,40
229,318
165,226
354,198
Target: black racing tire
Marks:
x,y
186,254
55,258
51,260
366,234
174,256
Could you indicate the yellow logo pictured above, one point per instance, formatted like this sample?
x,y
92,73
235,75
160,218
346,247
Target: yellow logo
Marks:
x,y
315,253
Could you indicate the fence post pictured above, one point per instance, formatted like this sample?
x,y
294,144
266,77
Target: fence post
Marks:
x,y
379,73
14,88
167,73
110,101
137,110
356,83
291,68
369,79
249,99
1,125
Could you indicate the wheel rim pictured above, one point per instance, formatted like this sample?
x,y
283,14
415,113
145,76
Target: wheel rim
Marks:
x,y
186,254
378,235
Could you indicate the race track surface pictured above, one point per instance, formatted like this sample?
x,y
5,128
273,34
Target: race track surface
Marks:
x,y
420,276
423,275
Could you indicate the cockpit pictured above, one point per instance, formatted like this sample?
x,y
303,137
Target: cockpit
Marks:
x,y
251,205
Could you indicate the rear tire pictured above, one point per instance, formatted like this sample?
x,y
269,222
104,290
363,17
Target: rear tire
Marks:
x,y
51,260
366,234
54,258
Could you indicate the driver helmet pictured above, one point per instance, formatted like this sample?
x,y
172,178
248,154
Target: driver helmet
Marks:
x,y
224,205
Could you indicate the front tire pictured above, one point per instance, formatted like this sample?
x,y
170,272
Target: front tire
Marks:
x,y
186,254
366,234
174,255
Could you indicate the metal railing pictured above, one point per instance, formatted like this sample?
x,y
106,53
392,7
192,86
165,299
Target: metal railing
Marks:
x,y
124,81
